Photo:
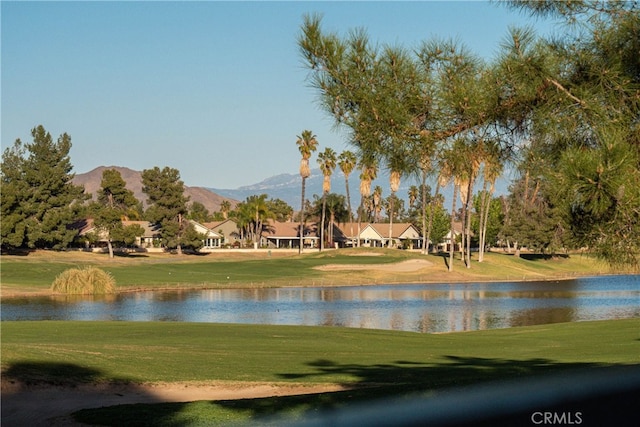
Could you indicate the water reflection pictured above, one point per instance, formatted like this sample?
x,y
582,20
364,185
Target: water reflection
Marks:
x,y
421,308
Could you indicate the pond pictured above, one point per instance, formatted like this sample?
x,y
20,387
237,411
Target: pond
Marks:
x,y
429,308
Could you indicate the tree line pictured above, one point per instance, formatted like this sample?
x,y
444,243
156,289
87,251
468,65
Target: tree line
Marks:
x,y
562,112
40,204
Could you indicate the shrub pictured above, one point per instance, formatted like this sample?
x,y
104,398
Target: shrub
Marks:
x,y
85,281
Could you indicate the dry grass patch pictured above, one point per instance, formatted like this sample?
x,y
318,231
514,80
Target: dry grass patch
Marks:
x,y
84,281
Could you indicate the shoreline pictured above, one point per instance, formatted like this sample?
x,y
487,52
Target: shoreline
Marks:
x,y
30,276
47,293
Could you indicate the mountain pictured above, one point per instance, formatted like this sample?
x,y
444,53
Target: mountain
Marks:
x,y
284,186
91,182
287,187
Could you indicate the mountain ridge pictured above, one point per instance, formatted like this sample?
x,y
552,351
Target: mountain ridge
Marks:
x,y
284,186
91,182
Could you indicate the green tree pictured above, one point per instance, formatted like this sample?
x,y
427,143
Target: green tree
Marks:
x,y
576,97
440,222
347,163
397,213
168,206
307,144
280,209
532,220
451,166
327,162
368,172
116,203
489,224
225,208
199,213
260,213
14,190
335,205
38,199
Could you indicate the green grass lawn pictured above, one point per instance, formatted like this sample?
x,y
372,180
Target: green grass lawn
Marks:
x,y
396,363
376,363
35,272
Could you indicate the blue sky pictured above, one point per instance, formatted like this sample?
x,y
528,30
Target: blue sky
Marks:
x,y
216,90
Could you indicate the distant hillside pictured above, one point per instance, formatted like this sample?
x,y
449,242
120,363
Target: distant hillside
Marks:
x,y
91,182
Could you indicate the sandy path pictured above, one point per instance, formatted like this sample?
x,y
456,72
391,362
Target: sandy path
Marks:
x,y
37,406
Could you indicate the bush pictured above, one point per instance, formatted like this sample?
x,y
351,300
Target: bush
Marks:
x,y
86,281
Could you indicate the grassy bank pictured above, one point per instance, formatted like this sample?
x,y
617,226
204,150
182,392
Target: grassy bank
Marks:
x,y
377,363
34,273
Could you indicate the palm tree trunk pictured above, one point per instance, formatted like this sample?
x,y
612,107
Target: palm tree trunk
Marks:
x,y
452,240
346,184
389,242
324,205
302,217
481,230
360,217
425,240
179,249
463,234
110,246
486,220
468,222
432,213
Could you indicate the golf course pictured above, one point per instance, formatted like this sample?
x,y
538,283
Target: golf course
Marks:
x,y
175,373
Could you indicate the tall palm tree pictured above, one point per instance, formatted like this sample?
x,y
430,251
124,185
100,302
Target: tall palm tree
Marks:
x,y
377,203
493,158
471,157
327,162
347,162
369,172
307,144
425,166
260,213
413,194
225,207
449,167
394,184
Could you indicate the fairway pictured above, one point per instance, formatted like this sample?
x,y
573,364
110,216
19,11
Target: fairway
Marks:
x,y
33,274
372,363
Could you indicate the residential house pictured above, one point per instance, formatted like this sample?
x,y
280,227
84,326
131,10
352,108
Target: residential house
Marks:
x,y
346,234
446,242
287,235
403,234
228,230
91,236
151,236
212,240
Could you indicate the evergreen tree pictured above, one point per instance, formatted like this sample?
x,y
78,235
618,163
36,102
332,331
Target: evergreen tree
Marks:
x,y
199,213
38,199
168,207
115,204
576,97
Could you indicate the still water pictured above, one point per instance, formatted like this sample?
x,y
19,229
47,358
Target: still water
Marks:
x,y
426,308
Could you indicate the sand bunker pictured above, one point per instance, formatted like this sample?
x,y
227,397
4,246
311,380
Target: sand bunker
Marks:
x,y
398,267
42,405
